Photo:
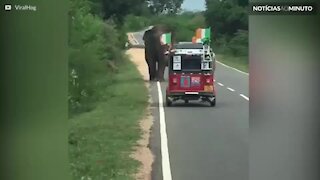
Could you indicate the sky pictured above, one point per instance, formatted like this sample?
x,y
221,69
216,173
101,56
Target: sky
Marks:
x,y
194,5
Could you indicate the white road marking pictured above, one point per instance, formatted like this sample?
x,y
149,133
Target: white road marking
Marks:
x,y
230,89
245,97
133,39
137,42
166,170
220,84
232,68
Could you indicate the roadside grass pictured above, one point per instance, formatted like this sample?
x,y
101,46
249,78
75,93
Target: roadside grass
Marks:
x,y
238,62
101,141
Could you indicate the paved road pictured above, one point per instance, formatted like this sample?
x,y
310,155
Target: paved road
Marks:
x,y
138,36
205,143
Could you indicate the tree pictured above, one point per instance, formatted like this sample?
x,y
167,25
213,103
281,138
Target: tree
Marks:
x,y
165,6
226,16
118,9
229,21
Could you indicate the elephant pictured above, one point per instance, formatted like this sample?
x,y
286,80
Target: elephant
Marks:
x,y
155,52
150,55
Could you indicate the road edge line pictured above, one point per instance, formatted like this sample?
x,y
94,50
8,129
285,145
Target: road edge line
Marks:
x,y
166,170
233,68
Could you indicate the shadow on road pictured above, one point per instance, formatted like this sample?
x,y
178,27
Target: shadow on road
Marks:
x,y
190,105
136,46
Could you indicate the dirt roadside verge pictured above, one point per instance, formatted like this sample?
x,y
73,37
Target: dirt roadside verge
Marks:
x,y
143,153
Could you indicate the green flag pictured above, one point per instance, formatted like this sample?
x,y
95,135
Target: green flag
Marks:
x,y
165,38
206,35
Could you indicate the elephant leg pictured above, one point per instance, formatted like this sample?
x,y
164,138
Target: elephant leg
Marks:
x,y
155,70
150,62
151,78
161,68
149,70
152,68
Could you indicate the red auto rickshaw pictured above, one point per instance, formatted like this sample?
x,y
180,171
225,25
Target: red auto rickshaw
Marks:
x,y
191,74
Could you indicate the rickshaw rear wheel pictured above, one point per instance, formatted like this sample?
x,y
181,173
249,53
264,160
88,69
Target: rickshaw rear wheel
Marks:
x,y
213,103
168,101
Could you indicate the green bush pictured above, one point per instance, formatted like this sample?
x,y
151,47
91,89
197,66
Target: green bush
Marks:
x,y
229,21
100,84
238,45
184,25
92,44
220,45
135,23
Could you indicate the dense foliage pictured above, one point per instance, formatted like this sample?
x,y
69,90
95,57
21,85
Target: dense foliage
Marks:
x,y
229,21
183,24
104,105
117,9
94,48
165,6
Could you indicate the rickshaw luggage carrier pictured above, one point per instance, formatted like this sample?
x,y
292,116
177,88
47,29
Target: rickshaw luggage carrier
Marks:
x,y
191,74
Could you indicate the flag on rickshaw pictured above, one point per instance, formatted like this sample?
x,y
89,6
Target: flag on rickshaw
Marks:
x,y
165,38
195,40
203,35
198,34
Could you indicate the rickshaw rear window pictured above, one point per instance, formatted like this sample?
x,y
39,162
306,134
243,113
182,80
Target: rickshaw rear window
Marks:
x,y
191,63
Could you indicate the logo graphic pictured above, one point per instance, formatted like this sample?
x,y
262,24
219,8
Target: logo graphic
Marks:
x,y
283,8
7,7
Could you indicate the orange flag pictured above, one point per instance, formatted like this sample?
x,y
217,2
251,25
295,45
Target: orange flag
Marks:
x,y
194,39
198,33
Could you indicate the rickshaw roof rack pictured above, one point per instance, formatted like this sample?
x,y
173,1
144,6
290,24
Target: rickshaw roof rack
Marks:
x,y
194,49
188,45
191,45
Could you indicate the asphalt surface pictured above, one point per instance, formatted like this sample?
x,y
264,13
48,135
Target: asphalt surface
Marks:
x,y
205,143
138,36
